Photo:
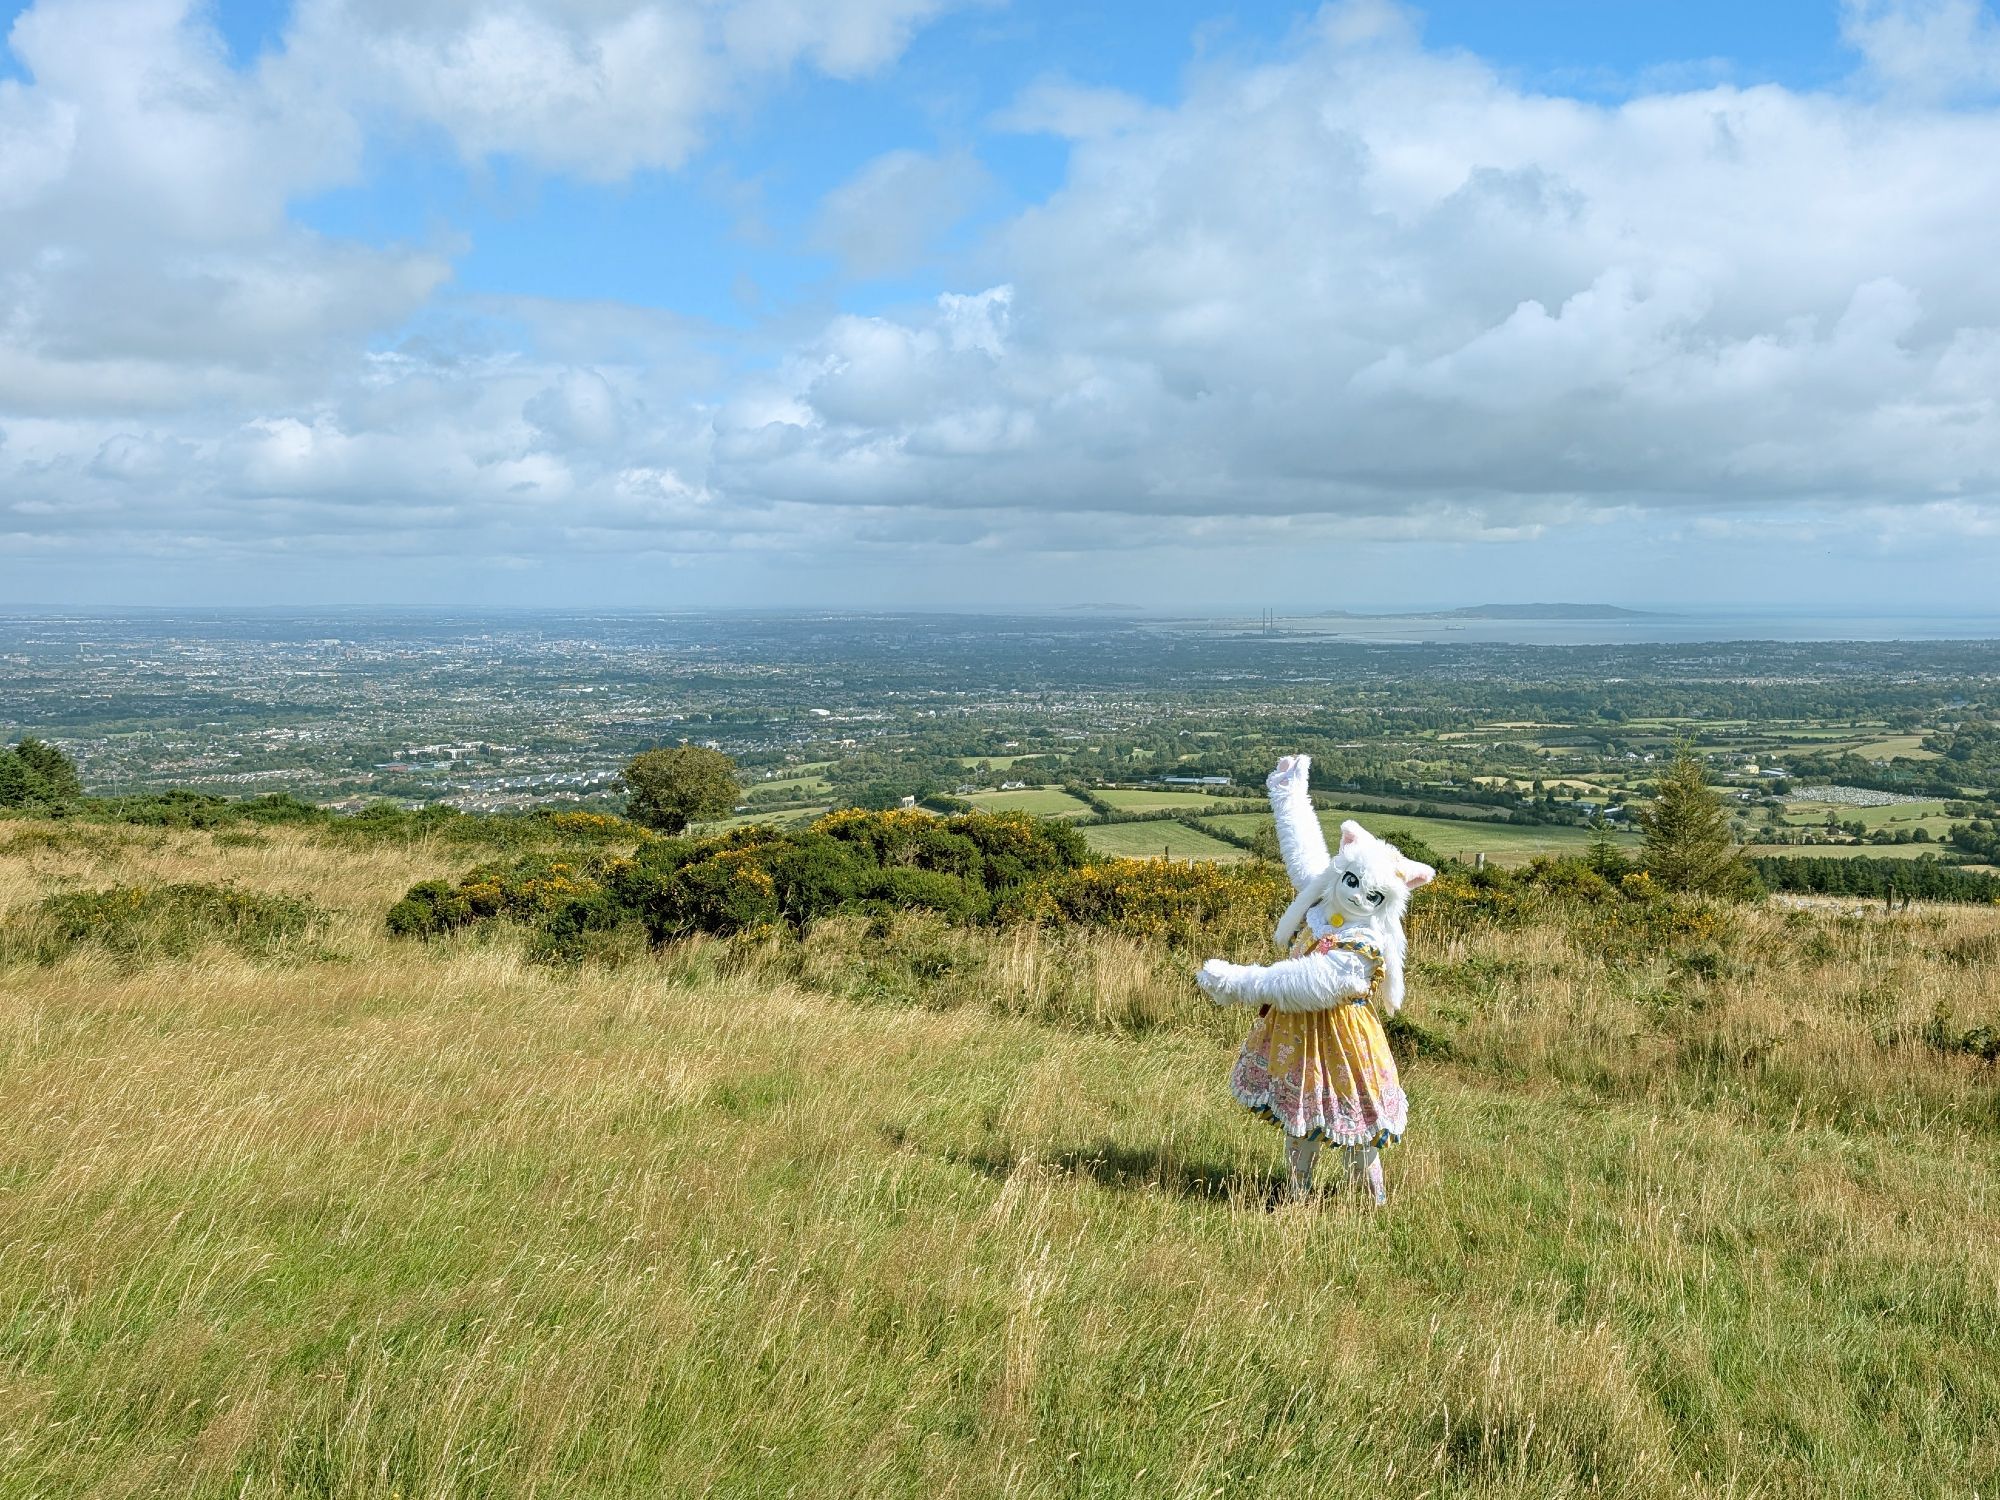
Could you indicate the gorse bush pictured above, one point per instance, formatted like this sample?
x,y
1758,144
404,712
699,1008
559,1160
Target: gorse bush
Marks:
x,y
167,921
537,889
1184,905
183,809
1631,915
960,867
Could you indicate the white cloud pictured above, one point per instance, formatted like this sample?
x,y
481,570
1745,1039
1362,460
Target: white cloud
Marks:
x,y
1060,106
1359,292
581,410
147,259
1370,280
886,218
597,88
1933,49
185,369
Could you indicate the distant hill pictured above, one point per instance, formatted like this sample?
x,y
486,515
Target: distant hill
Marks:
x,y
1510,612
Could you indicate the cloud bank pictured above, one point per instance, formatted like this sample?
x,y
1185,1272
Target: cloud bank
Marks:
x,y
1359,289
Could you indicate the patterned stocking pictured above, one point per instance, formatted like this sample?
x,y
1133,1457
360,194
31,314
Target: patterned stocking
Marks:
x,y
1364,1167
1299,1153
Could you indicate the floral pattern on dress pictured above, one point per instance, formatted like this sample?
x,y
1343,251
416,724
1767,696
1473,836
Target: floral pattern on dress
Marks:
x,y
1327,1074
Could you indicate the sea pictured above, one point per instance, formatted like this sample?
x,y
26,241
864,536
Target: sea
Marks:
x,y
1664,628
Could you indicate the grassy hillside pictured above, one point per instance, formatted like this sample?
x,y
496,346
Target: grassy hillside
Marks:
x,y
904,1209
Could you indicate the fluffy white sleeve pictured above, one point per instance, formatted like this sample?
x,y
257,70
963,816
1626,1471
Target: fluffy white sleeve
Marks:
x,y
1301,841
1318,981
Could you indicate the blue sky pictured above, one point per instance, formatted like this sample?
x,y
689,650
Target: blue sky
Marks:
x,y
653,302
678,240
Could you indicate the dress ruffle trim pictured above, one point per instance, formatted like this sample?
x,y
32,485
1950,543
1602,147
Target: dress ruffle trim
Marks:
x,y
1260,1106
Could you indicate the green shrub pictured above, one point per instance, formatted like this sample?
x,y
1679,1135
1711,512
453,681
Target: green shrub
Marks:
x,y
171,921
37,776
430,908
1015,848
925,890
1982,1042
1184,904
728,892
1461,901
903,837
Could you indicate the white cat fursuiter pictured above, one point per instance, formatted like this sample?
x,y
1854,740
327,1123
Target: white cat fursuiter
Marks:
x,y
1321,1067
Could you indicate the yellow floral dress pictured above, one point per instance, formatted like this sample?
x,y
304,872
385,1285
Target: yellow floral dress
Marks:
x,y
1325,1074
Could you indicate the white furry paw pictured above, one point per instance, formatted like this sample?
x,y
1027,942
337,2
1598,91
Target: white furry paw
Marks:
x,y
1290,770
1212,976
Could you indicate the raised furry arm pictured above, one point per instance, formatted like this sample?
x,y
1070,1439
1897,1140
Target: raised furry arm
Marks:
x,y
1317,981
1301,841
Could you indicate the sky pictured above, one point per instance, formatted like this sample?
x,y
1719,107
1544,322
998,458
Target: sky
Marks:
x,y
1000,303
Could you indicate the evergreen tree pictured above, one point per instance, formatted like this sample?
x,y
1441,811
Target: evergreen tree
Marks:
x,y
1605,857
1688,843
37,775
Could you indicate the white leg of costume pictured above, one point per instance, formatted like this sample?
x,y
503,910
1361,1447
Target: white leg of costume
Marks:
x,y
1299,1153
1364,1169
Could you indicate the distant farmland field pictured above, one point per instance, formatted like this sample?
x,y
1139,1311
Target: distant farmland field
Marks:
x,y
1148,840
1043,801
1908,746
1845,851
1503,843
1149,799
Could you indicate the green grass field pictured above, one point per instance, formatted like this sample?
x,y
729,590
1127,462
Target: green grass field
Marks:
x,y
1503,843
1891,747
923,1212
1152,799
779,818
788,789
1559,783
1149,840
1043,801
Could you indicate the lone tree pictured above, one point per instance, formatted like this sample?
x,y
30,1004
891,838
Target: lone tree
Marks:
x,y
673,788
1688,843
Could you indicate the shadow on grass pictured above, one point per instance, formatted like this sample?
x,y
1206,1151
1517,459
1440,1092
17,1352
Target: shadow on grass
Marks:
x,y
1136,1169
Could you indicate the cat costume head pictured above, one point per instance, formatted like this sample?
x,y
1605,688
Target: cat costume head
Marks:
x,y
1363,891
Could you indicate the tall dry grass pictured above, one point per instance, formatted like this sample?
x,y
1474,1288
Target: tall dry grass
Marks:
x,y
903,1209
